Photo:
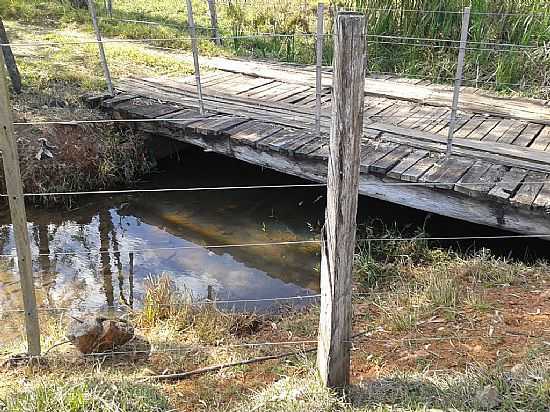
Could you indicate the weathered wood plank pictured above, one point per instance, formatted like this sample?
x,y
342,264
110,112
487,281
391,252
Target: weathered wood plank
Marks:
x,y
542,201
542,141
377,151
507,187
468,184
499,130
292,146
446,173
527,136
415,172
529,189
390,160
407,162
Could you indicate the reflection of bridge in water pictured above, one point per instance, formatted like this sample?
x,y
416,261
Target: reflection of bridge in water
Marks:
x,y
179,223
264,114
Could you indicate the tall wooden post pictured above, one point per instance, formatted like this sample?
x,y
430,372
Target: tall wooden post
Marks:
x,y
214,22
319,67
9,59
191,23
333,355
458,77
102,57
14,187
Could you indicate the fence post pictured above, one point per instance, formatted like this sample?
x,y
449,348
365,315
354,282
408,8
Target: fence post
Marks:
x,y
214,22
9,60
319,68
338,245
131,279
14,188
194,47
458,77
102,57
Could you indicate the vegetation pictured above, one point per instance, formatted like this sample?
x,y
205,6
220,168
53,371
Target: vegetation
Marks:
x,y
522,68
444,329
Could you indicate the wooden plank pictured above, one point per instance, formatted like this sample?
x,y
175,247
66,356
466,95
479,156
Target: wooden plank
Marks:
x,y
407,162
182,118
278,139
299,141
468,184
446,173
311,147
542,141
529,189
256,133
528,135
377,152
499,130
469,127
512,133
542,201
390,160
484,128
415,172
122,97
146,109
506,188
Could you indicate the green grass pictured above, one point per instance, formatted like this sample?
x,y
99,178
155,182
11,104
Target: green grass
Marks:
x,y
85,395
524,71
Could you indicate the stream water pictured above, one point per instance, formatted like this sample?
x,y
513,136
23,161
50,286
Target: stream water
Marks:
x,y
170,232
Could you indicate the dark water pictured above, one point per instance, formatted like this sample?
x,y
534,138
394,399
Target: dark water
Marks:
x,y
190,221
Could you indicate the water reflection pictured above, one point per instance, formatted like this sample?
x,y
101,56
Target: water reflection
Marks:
x,y
171,232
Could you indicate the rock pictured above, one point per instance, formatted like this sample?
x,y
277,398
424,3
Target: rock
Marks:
x,y
98,334
487,398
545,294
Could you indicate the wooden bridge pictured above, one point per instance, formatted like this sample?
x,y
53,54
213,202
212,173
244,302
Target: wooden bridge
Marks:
x,y
264,114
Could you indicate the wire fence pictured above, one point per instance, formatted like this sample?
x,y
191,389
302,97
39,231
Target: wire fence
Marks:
x,y
377,39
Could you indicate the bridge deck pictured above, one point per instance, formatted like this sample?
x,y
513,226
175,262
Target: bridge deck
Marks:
x,y
264,114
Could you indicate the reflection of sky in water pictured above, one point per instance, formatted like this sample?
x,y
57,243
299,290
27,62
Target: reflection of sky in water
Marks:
x,y
86,279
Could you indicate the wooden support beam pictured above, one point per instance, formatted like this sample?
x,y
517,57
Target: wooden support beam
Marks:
x,y
9,59
14,187
337,250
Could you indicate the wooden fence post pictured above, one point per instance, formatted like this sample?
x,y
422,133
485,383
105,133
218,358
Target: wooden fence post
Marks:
x,y
195,49
319,67
102,57
214,22
338,245
9,59
14,188
458,77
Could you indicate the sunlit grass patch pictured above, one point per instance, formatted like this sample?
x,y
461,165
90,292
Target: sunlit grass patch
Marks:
x,y
98,394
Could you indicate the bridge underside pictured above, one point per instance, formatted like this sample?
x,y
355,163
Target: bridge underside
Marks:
x,y
264,114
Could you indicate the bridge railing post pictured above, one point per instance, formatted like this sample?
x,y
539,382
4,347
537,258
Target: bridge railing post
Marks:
x,y
14,188
194,47
106,72
319,67
458,77
338,243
